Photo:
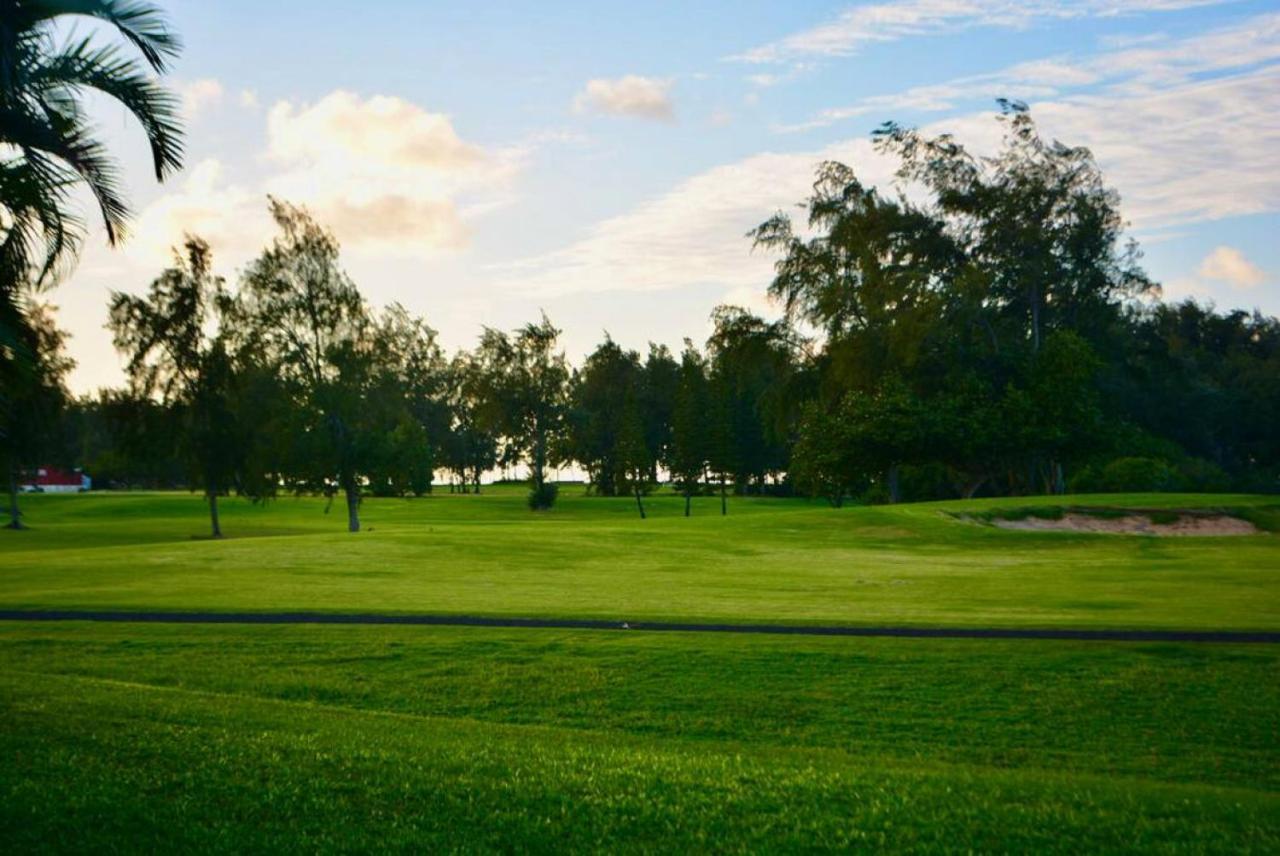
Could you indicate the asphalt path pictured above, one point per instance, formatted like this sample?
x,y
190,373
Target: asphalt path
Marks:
x,y
374,618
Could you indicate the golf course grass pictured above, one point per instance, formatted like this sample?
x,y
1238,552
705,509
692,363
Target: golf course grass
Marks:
x,y
299,737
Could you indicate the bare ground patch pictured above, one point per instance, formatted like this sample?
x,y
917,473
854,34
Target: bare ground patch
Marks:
x,y
1133,524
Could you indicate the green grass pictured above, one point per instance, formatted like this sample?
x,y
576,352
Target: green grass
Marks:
x,y
769,560
338,738
236,738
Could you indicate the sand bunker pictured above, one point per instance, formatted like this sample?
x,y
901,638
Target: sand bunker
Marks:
x,y
1134,524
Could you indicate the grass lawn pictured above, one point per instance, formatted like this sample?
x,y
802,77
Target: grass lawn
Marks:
x,y
236,738
266,738
769,560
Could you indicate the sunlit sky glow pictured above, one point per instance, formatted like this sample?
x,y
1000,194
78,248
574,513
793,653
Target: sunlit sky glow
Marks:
x,y
602,161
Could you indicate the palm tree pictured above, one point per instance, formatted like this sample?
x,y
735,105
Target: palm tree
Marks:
x,y
48,146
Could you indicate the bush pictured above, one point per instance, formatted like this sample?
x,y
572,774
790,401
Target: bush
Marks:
x,y
1136,475
542,499
1203,476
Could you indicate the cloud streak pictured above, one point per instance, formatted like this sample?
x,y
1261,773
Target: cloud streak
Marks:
x,y
859,26
1180,148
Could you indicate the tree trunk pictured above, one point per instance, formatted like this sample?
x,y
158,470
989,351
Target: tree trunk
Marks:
x,y
724,501
15,516
639,501
353,509
894,493
972,487
1035,318
686,502
214,525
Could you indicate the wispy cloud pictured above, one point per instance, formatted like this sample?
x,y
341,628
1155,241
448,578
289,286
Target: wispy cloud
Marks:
x,y
1133,70
633,95
1187,151
861,25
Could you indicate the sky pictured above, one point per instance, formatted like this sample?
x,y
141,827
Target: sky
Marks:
x,y
603,161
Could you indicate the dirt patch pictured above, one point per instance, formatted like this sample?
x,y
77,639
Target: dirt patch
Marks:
x,y
1134,524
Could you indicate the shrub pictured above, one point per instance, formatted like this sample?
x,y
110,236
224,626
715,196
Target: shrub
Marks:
x,y
541,499
1138,475
1203,476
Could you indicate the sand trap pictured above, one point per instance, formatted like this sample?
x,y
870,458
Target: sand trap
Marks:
x,y
1134,524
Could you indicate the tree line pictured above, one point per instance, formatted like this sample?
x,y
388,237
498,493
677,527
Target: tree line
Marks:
x,y
979,328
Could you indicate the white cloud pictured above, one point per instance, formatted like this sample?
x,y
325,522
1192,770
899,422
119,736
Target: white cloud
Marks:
x,y
232,218
883,22
633,95
249,99
196,95
387,176
1229,265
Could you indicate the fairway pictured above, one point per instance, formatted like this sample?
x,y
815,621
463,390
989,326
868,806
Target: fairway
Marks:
x,y
233,738
768,561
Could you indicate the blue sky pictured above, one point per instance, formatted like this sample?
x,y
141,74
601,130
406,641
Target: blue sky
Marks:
x,y
481,162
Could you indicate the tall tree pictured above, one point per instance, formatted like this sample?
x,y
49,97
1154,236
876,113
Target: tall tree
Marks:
x,y
656,400
49,148
33,377
472,447
177,345
690,444
601,391
304,314
752,364
633,452
526,380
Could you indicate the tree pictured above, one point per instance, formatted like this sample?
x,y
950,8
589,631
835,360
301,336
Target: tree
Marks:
x,y
410,390
600,394
687,459
175,341
634,456
526,397
472,441
1037,220
304,315
657,395
49,148
44,121
33,375
752,367
950,296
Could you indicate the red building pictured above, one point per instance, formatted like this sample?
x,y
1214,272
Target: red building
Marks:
x,y
54,480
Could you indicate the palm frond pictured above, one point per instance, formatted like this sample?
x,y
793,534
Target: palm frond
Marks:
x,y
81,64
143,24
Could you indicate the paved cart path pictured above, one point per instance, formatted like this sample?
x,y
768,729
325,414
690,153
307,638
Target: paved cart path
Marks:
x,y
1102,635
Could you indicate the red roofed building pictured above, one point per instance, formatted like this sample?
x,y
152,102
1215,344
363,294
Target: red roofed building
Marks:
x,y
54,480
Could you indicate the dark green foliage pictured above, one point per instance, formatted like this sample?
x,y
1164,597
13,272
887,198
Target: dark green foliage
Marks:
x,y
51,147
999,319
180,350
543,496
690,448
33,369
523,398
1124,475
